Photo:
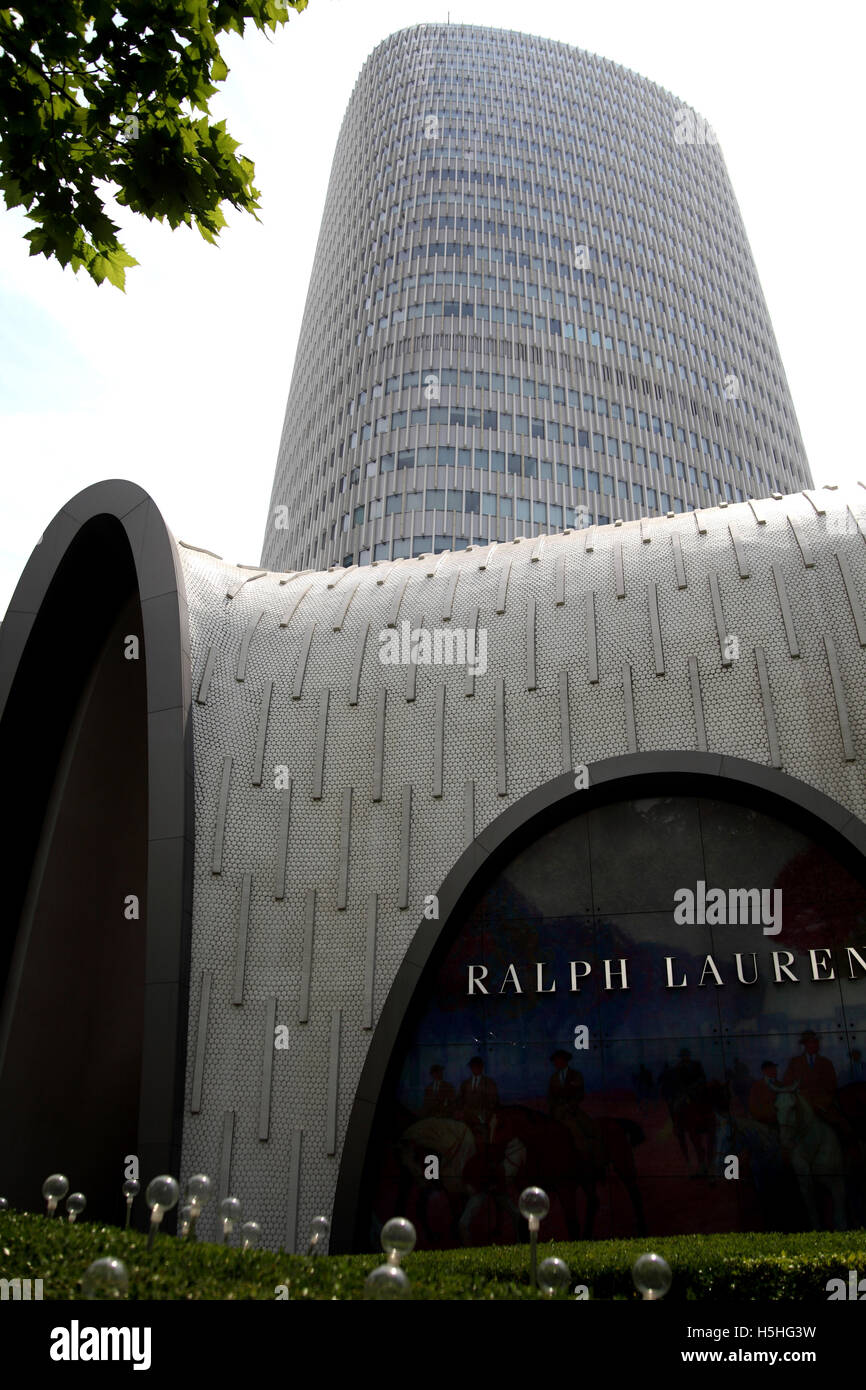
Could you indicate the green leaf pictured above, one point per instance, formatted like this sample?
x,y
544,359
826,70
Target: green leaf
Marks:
x,y
67,88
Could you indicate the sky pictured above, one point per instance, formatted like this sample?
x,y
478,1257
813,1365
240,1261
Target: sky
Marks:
x,y
180,384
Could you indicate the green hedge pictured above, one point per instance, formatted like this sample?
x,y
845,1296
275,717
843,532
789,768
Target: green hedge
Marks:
x,y
755,1266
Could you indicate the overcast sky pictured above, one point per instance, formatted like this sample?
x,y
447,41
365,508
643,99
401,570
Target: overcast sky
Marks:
x,y
181,383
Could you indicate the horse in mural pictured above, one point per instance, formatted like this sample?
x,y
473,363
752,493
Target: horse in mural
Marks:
x,y
482,1176
694,1115
815,1153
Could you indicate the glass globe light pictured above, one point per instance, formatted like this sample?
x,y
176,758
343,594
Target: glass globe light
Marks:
x,y
53,1189
105,1278
534,1205
4,1203
554,1276
319,1228
184,1219
75,1204
251,1234
230,1211
398,1238
652,1276
161,1196
387,1282
199,1190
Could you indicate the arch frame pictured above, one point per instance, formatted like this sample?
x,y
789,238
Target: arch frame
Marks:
x,y
657,773
122,512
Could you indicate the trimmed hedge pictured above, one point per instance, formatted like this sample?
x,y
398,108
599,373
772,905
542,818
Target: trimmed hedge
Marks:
x,y
756,1266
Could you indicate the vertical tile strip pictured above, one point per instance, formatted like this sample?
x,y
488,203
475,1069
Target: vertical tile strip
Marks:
x,y
357,663
718,614
591,640
294,606
438,740
293,1190
412,666
344,608
448,601
769,715
468,811
853,598
201,1040
531,683
207,673
241,943
501,777
283,841
333,1081
564,721
394,611
618,571
655,625
739,550
261,733
267,1066
841,702
469,686
298,687
787,616
307,962
559,598
225,1173
219,833
502,591
370,961
697,702
802,542
405,841
379,752
628,700
679,567
321,734
345,842
244,650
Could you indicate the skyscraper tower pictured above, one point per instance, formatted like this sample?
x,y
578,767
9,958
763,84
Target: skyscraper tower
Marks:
x,y
533,306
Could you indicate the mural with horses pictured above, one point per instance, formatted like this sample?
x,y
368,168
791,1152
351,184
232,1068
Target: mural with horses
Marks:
x,y
652,1095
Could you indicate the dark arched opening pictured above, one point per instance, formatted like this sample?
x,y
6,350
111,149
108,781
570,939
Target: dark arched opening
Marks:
x,y
95,752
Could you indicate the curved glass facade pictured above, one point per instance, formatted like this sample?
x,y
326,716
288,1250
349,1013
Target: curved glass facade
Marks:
x,y
533,306
610,1020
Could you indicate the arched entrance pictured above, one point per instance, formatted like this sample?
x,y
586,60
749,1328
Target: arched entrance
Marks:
x,y
580,886
96,755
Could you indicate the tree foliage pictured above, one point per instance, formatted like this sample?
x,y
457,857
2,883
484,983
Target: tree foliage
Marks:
x,y
111,99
